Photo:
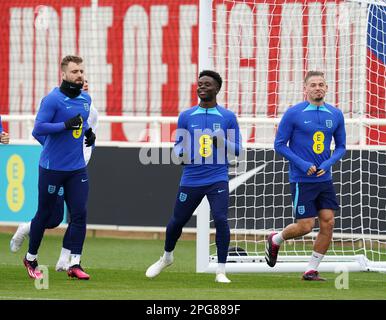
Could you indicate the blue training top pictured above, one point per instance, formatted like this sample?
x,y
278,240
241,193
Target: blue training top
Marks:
x,y
206,164
309,130
62,149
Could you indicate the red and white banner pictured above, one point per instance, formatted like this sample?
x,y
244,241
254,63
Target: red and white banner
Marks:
x,y
141,57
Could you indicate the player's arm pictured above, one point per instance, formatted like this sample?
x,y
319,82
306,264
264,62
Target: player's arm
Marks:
x,y
340,145
43,125
40,139
284,132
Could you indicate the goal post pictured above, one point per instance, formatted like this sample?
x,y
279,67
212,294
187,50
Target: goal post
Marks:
x,y
262,49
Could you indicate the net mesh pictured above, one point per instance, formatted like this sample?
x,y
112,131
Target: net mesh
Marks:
x,y
264,49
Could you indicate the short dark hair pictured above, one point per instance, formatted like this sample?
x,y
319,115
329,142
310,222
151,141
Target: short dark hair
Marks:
x,y
313,73
70,58
213,74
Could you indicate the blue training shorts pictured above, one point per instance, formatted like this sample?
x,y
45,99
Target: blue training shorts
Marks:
x,y
309,198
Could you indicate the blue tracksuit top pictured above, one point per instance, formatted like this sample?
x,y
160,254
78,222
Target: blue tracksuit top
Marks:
x,y
62,149
309,130
196,128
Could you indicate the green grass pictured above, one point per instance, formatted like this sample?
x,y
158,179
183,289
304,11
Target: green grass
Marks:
x,y
117,269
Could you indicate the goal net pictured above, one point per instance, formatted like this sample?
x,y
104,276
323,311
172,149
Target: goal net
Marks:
x,y
263,50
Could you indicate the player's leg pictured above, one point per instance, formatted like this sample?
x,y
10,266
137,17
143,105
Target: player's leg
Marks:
x,y
218,197
63,263
188,199
65,254
55,220
326,228
23,229
57,217
326,204
76,189
298,229
304,207
321,244
48,185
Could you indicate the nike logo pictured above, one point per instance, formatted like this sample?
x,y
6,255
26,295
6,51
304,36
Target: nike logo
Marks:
x,y
68,107
219,191
307,122
84,180
239,180
233,185
194,125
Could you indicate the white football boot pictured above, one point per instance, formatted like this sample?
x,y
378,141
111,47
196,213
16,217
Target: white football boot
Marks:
x,y
21,233
156,268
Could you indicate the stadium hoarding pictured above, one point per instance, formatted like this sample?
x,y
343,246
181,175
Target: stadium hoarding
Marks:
x,y
125,192
18,183
19,170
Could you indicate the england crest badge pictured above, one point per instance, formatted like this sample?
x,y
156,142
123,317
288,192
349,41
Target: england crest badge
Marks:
x,y
183,197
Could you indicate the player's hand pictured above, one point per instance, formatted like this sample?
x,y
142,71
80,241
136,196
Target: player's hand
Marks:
x,y
320,172
4,138
90,137
74,123
311,170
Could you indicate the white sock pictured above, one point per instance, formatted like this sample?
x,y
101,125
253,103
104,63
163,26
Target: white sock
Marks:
x,y
75,259
220,268
278,238
31,257
168,255
315,260
65,255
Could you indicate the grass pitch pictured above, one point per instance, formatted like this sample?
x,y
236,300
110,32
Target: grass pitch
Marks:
x,y
117,269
